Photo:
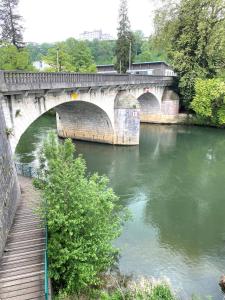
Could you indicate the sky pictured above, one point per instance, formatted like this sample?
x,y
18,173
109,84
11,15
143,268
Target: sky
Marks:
x,y
57,20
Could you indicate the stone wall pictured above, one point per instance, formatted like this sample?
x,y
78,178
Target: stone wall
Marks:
x,y
9,186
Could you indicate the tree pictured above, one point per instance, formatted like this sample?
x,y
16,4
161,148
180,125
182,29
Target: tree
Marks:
x,y
81,57
125,41
83,217
10,23
13,59
209,101
138,37
37,51
58,59
70,56
102,51
194,41
149,52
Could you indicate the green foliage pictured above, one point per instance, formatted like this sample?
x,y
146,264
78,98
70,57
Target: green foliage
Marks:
x,y
125,41
159,292
81,57
58,59
102,51
12,58
70,56
36,51
209,101
191,33
150,53
84,217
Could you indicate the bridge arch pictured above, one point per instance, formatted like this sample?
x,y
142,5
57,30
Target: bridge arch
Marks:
x,y
149,105
28,108
84,121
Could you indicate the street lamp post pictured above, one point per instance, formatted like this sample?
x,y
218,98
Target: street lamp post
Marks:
x,y
57,58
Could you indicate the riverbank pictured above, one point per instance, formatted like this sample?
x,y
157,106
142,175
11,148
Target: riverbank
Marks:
x,y
180,119
120,287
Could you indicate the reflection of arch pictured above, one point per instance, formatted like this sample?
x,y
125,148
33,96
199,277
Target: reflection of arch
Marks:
x,y
84,121
149,104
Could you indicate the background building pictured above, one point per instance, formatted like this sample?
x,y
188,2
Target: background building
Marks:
x,y
96,34
156,68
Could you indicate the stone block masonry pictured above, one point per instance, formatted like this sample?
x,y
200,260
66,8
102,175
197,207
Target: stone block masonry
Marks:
x,y
9,186
84,121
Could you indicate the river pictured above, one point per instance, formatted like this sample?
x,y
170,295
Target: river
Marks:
x,y
174,185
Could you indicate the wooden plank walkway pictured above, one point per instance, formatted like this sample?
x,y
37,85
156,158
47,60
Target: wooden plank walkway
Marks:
x,y
22,264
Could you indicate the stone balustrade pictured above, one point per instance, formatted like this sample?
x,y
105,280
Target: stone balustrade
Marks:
x,y
11,81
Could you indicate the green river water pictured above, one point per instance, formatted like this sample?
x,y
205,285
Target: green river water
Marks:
x,y
174,185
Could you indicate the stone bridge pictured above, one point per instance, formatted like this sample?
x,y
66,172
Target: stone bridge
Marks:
x,y
95,107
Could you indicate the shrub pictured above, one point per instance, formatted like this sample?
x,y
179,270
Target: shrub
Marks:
x,y
209,101
83,218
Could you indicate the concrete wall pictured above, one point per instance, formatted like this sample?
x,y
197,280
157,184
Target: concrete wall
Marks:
x,y
9,187
84,121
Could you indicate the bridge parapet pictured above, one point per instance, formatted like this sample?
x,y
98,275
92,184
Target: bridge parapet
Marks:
x,y
11,81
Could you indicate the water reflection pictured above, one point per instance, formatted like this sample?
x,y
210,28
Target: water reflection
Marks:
x,y
173,184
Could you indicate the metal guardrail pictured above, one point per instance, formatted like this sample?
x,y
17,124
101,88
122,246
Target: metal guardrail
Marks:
x,y
46,263
28,170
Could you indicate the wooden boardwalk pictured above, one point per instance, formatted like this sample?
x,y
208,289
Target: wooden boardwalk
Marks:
x,y
22,264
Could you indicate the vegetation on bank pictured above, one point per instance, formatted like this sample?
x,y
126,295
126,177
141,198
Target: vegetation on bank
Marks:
x,y
132,290
83,218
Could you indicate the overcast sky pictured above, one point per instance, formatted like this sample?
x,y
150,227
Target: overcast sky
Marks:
x,y
56,20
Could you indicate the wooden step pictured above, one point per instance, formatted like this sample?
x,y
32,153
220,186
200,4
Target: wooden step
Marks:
x,y
23,262
36,281
23,289
8,273
25,232
14,280
28,296
24,255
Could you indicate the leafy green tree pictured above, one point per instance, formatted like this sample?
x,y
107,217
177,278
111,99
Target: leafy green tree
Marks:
x,y
195,44
13,59
83,217
209,101
139,38
103,52
36,50
125,40
80,54
150,53
58,59
10,23
70,56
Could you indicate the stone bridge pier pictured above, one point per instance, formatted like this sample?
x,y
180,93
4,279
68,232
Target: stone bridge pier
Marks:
x,y
112,118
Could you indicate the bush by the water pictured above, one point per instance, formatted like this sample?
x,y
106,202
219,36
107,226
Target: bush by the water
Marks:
x,y
209,101
83,218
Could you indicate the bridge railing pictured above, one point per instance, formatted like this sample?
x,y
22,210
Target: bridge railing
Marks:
x,y
21,80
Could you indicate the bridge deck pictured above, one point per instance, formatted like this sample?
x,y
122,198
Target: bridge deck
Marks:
x,y
22,265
